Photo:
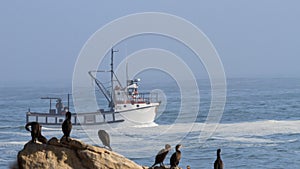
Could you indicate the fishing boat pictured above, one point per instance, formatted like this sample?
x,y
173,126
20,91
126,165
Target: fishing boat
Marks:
x,y
125,104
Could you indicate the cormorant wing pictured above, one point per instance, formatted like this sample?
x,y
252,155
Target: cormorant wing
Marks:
x,y
104,137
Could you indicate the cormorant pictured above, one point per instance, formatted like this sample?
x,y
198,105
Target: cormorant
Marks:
x,y
36,132
67,126
104,137
161,155
218,163
175,158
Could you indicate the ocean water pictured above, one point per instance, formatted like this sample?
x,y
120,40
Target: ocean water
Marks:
x,y
260,126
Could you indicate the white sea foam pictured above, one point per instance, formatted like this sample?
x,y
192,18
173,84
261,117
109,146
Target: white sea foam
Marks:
x,y
12,143
259,128
146,125
51,128
140,142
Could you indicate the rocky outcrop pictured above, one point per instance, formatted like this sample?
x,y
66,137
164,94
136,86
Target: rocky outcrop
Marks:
x,y
72,154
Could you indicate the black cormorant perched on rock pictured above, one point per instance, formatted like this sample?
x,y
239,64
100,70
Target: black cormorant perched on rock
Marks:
x,y
175,158
36,132
161,155
104,137
218,163
67,126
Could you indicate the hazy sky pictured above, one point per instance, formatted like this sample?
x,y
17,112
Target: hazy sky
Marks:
x,y
40,40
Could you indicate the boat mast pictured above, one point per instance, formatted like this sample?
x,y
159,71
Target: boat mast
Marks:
x,y
111,105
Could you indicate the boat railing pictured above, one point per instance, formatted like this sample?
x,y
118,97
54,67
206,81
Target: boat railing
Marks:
x,y
84,118
146,97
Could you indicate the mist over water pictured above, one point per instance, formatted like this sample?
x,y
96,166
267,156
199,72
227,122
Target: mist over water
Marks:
x,y
259,127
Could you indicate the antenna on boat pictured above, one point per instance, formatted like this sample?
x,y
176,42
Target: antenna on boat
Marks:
x,y
126,54
68,101
111,104
127,73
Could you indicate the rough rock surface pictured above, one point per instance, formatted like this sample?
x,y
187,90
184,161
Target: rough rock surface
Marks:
x,y
73,154
163,168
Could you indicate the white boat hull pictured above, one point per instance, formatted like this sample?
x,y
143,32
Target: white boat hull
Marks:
x,y
138,113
